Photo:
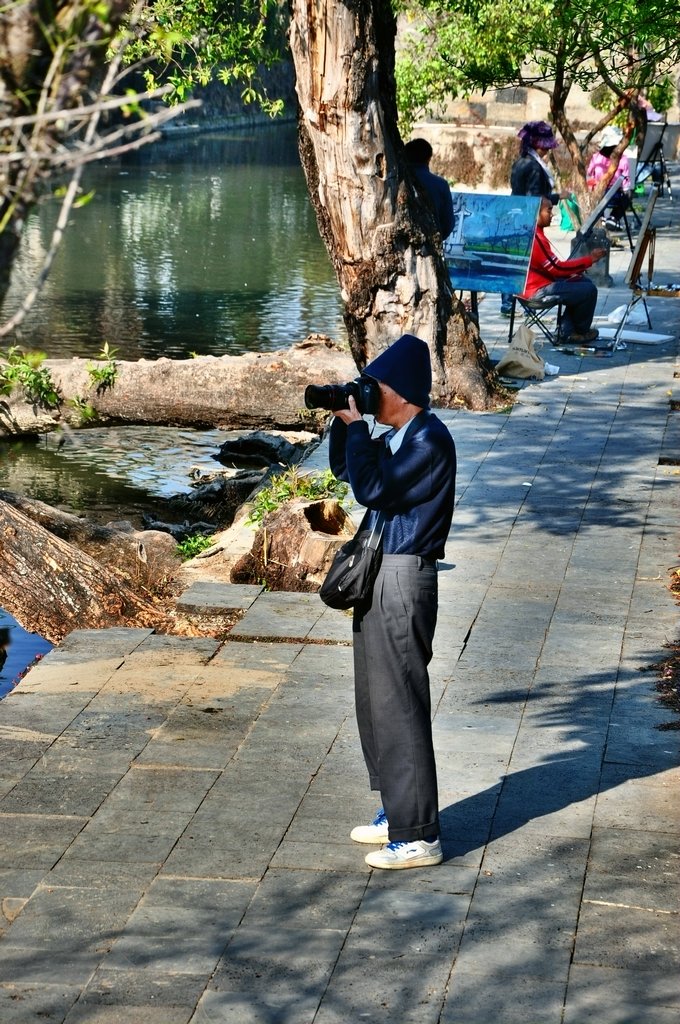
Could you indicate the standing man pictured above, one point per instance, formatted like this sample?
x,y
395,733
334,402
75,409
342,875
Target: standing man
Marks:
x,y
418,153
408,474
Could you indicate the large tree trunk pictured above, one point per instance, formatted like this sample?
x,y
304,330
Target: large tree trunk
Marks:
x,y
380,236
256,390
51,587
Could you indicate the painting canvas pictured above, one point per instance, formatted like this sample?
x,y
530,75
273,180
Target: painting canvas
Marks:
x,y
490,245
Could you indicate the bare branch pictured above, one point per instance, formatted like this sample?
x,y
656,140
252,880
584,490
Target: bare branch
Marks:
x,y
67,156
81,113
42,154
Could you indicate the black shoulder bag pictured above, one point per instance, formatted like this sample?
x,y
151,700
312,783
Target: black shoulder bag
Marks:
x,y
353,571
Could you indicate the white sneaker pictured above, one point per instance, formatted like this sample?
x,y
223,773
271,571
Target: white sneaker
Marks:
x,y
416,854
376,832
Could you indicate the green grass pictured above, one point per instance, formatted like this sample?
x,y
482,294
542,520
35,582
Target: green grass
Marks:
x,y
193,546
293,484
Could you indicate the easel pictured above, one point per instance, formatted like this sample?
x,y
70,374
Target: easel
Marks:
x,y
473,309
652,154
645,246
627,207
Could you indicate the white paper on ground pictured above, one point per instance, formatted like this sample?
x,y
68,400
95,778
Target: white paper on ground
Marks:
x,y
637,337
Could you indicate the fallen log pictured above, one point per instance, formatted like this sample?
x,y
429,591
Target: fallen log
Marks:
x,y
52,587
114,545
252,391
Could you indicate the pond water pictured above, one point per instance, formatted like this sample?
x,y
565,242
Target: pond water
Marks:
x,y
108,473
204,244
17,650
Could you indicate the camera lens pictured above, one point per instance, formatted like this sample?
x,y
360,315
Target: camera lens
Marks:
x,y
316,397
326,396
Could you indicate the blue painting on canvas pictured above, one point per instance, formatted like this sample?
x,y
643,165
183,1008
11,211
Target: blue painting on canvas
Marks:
x,y
490,246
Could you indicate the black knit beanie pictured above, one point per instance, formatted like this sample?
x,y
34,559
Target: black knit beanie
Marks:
x,y
405,366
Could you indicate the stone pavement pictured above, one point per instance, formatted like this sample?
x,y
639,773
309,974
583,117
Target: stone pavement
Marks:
x,y
174,813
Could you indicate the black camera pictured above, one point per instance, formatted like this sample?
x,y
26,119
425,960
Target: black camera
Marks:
x,y
364,390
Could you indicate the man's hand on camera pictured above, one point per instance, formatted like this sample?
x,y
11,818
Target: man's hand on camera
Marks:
x,y
350,415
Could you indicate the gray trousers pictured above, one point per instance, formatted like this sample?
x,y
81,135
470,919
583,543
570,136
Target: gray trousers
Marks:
x,y
579,296
392,649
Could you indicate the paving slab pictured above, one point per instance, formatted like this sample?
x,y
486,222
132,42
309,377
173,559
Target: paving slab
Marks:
x,y
630,996
32,841
511,997
204,597
35,1003
71,793
280,615
130,987
366,977
86,1013
271,965
627,936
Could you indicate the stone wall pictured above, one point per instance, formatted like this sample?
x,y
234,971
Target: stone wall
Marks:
x,y
478,157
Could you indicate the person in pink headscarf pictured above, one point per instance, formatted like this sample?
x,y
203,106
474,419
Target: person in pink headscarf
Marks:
x,y
600,162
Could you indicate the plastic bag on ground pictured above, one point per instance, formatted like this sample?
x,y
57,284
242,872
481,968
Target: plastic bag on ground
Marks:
x,y
636,316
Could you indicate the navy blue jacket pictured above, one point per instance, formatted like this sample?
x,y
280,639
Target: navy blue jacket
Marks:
x,y
439,192
414,488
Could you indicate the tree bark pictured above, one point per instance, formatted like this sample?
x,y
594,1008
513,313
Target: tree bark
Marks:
x,y
51,587
380,236
252,391
114,547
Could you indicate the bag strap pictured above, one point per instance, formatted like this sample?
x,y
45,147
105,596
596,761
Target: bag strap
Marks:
x,y
377,531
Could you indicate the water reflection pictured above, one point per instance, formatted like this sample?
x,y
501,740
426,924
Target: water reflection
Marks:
x,y
206,244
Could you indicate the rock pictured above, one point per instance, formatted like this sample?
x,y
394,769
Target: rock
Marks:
x,y
178,531
221,499
264,449
222,488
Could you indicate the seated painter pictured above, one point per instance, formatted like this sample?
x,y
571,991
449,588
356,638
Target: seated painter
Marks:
x,y
563,280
